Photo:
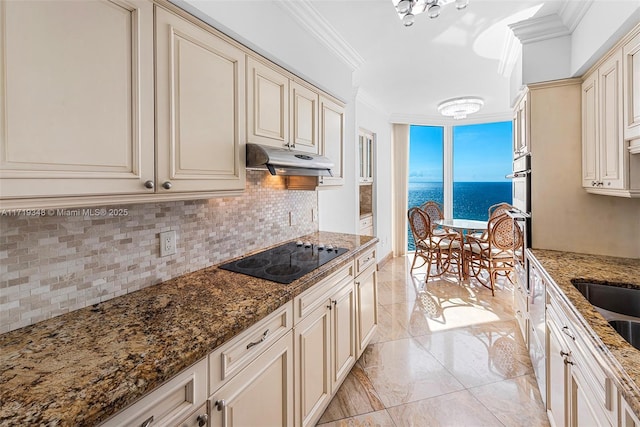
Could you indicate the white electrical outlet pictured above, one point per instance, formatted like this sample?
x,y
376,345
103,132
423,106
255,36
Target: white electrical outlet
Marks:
x,y
314,217
167,243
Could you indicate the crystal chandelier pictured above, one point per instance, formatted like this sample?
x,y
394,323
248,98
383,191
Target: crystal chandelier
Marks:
x,y
458,108
408,9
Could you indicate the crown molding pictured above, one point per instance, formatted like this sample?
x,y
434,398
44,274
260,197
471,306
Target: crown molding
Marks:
x,y
431,120
313,22
539,29
572,12
509,56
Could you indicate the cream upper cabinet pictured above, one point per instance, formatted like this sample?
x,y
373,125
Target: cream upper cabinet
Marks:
x,y
332,139
267,105
261,394
521,139
76,106
611,122
631,83
200,108
365,151
304,103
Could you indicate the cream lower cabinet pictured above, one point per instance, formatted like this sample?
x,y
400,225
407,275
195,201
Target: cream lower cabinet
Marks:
x,y
261,394
367,307
627,417
579,393
200,108
325,341
76,103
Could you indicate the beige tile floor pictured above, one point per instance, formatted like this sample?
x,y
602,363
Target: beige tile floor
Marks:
x,y
446,354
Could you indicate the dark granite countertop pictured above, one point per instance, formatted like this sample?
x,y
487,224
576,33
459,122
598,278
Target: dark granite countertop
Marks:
x,y
620,357
84,366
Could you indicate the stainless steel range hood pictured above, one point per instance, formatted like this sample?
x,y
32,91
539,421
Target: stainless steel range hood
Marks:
x,y
281,161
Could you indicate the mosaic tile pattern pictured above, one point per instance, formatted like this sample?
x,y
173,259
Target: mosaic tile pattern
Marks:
x,y
56,264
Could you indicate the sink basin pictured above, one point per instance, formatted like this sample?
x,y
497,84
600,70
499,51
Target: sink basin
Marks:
x,y
612,298
629,330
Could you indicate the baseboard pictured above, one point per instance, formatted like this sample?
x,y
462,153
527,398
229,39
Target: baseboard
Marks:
x,y
385,260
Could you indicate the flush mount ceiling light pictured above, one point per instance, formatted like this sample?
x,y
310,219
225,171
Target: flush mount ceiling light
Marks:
x,y
408,9
459,108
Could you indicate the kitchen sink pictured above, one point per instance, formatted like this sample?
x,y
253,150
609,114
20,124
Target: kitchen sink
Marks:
x,y
629,330
615,299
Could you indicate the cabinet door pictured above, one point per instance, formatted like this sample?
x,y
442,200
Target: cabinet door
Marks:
x,y
261,394
343,334
627,417
590,129
267,105
584,413
332,139
631,71
523,126
367,307
612,151
304,118
76,103
200,107
556,377
313,354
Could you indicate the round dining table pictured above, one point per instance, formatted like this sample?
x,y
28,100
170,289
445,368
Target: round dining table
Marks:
x,y
463,224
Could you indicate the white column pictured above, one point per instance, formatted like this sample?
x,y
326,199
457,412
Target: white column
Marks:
x,y
400,174
448,171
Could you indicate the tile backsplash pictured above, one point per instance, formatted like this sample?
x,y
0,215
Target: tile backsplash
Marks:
x,y
62,262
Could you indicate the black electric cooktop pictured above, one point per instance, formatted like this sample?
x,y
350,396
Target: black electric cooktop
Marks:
x,y
285,263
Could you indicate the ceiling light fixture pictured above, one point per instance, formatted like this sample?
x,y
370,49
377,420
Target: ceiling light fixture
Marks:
x,y
408,9
459,108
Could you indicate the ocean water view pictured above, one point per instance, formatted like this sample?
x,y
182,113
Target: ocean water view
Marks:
x,y
471,200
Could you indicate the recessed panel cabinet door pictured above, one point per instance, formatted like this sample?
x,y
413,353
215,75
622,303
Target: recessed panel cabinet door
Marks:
x,y
304,120
613,155
343,336
267,105
261,394
631,71
590,129
76,106
367,310
332,139
200,108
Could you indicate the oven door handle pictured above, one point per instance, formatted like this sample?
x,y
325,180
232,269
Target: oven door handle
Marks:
x,y
519,174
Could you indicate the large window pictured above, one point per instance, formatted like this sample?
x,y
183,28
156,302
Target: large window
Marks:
x,y
426,154
461,167
481,159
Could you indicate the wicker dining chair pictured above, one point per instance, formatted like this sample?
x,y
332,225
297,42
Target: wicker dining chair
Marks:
x,y
495,254
494,210
434,210
442,249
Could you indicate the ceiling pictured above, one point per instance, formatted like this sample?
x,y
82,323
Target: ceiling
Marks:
x,y
403,71
410,70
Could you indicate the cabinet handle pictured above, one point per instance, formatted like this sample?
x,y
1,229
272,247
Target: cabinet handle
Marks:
x,y
202,420
167,185
568,333
147,422
220,404
564,354
329,307
568,362
335,302
149,184
593,183
251,344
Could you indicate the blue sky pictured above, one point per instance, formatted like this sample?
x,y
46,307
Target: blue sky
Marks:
x,y
481,153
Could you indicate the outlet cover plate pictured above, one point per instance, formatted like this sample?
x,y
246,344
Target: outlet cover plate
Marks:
x,y
167,243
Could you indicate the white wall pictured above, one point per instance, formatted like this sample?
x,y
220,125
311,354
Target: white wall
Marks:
x,y
546,60
269,30
602,26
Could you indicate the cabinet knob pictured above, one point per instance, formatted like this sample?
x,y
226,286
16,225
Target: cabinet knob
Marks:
x,y
167,185
202,420
149,184
593,183
220,404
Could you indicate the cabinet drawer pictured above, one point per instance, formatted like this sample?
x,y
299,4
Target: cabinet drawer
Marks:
x,y
198,418
170,402
306,302
366,221
233,356
364,260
